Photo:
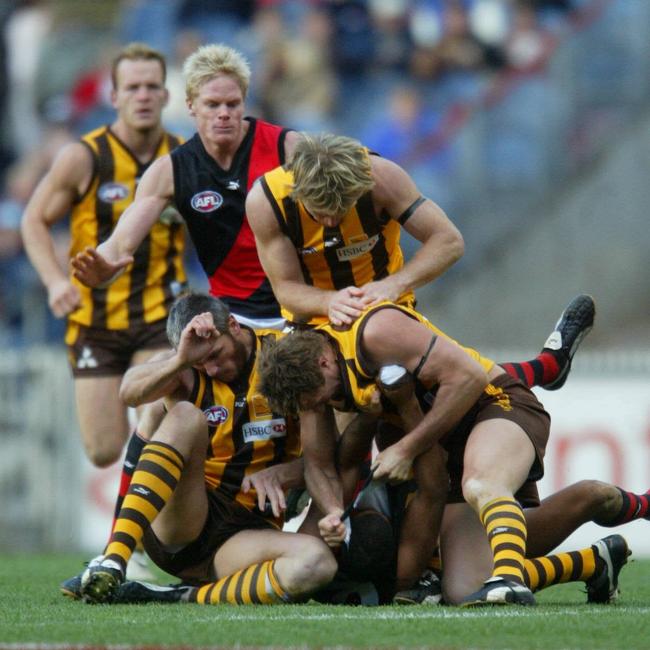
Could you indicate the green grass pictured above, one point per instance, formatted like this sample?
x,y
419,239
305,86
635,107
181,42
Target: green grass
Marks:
x,y
32,611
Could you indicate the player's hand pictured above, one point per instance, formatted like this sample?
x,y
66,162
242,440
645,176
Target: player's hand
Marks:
x,y
332,529
346,305
386,289
197,339
267,484
63,297
95,270
393,464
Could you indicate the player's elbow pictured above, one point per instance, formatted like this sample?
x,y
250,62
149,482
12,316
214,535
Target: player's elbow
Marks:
x,y
129,395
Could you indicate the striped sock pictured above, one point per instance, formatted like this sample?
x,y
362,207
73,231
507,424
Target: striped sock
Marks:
x,y
635,506
541,370
154,481
257,584
505,526
131,458
542,572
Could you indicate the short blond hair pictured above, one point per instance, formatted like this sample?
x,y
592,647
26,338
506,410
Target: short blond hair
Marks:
x,y
330,172
137,52
210,61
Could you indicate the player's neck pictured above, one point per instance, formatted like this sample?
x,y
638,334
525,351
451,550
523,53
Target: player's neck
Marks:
x,y
142,144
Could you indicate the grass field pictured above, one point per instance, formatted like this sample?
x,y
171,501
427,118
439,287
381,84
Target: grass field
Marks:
x,y
33,615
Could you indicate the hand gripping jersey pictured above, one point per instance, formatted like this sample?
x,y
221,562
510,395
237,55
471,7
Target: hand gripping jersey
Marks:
x,y
245,436
211,200
358,377
363,248
145,291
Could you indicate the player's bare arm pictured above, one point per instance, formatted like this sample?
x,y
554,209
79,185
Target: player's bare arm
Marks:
x,y
67,180
318,437
98,267
391,336
442,244
161,376
170,373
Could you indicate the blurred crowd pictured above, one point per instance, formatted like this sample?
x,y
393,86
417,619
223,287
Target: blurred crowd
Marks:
x,y
390,72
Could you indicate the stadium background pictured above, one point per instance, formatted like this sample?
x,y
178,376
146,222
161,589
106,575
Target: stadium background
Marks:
x,y
529,122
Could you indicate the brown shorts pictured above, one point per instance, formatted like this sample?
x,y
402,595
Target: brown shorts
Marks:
x,y
505,398
98,352
194,563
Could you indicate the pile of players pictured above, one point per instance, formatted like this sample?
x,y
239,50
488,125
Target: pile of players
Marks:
x,y
306,368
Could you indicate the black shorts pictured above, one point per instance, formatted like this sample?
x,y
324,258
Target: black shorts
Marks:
x,y
194,563
99,352
507,399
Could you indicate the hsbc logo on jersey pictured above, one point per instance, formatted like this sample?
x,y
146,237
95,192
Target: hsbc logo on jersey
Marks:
x,y
216,415
207,201
112,192
264,430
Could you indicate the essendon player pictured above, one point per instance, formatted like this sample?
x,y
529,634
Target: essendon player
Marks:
x,y
207,180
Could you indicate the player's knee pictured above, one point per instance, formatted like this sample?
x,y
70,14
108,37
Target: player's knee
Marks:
x,y
104,453
184,417
312,568
476,491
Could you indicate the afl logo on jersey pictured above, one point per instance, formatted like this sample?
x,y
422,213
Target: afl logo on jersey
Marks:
x,y
207,201
112,192
216,415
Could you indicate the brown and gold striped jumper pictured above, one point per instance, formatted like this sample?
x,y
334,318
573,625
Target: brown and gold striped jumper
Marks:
x,y
144,292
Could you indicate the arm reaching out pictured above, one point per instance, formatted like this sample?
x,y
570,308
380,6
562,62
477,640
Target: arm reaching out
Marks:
x,y
97,267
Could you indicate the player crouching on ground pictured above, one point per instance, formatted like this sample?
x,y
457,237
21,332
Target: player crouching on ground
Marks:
x,y
200,511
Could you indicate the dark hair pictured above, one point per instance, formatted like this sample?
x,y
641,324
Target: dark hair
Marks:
x,y
190,304
289,368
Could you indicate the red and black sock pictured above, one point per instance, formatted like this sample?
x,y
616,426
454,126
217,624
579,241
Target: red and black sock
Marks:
x,y
133,451
635,506
541,370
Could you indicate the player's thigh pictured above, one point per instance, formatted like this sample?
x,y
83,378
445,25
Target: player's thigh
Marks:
x,y
102,414
252,546
498,452
465,552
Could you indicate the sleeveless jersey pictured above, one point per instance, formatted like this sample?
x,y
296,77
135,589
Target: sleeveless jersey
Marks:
x,y
363,248
245,436
144,292
211,200
358,378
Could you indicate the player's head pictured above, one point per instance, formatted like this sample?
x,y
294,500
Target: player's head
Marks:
x,y
330,173
138,74
191,304
298,372
211,61
370,553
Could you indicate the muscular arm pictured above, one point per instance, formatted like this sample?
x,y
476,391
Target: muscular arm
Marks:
x,y
95,267
392,337
442,243
53,198
170,374
163,375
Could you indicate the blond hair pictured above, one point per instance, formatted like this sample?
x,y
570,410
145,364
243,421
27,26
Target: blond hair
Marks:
x,y
289,368
210,61
330,172
137,52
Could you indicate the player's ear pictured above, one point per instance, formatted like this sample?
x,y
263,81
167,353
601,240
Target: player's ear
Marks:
x,y
233,324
